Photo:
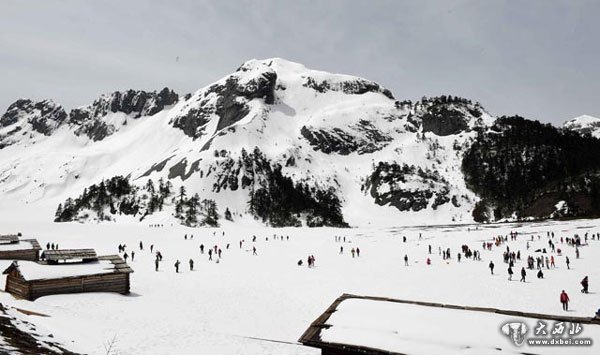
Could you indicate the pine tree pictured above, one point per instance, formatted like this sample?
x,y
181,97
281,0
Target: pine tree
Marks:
x,y
150,186
58,213
182,193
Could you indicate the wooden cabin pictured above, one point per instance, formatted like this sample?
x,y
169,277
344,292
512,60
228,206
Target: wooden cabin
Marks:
x,y
14,248
384,326
62,274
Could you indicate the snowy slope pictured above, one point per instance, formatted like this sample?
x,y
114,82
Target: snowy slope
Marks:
x,y
585,125
326,130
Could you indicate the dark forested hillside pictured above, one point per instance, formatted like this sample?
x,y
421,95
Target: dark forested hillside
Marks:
x,y
528,167
274,198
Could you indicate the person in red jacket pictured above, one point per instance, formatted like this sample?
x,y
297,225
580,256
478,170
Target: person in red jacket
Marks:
x,y
564,299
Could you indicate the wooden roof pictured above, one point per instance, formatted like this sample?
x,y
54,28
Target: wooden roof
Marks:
x,y
120,266
312,336
34,243
118,262
10,267
70,254
21,244
9,238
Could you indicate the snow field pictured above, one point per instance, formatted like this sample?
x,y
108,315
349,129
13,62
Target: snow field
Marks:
x,y
219,307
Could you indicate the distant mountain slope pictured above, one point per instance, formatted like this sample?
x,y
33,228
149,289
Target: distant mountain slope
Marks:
x,y
274,142
584,125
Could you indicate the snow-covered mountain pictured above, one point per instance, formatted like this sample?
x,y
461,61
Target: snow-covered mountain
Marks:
x,y
585,125
273,137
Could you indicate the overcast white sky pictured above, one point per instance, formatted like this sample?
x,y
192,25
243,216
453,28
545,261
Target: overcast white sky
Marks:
x,y
539,59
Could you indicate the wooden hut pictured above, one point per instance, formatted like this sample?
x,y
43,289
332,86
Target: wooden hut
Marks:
x,y
384,326
14,248
62,274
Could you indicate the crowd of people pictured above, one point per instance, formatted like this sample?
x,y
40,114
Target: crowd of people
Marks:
x,y
541,255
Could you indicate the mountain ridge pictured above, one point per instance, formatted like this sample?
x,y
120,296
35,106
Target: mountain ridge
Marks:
x,y
317,136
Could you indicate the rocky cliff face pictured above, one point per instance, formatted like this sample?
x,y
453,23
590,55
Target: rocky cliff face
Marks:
x,y
27,118
447,115
91,120
227,100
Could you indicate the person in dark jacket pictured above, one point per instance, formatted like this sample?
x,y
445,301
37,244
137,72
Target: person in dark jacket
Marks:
x,y
584,284
523,274
491,266
510,273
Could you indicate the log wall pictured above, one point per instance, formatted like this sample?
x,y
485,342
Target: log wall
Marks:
x,y
25,254
16,286
113,282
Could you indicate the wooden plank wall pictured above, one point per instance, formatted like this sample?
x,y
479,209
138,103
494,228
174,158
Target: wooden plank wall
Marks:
x,y
25,254
16,286
113,282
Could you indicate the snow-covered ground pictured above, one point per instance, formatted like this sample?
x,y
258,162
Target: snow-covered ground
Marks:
x,y
247,304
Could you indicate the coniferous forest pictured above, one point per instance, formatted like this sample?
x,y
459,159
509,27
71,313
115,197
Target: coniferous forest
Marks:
x,y
526,167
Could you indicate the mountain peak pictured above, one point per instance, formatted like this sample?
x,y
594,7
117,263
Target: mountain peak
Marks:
x,y
38,118
584,124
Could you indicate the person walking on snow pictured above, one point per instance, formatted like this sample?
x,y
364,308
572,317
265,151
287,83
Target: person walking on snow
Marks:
x,y
564,299
491,267
191,265
156,264
568,263
405,260
177,266
254,251
584,284
510,273
523,274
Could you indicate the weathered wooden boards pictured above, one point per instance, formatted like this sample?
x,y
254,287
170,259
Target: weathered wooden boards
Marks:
x,y
116,281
